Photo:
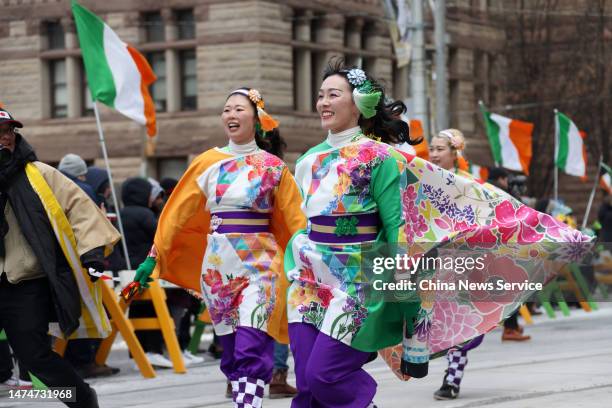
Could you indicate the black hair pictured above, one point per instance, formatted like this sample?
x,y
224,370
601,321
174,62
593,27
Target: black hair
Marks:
x,y
542,205
386,124
496,173
270,141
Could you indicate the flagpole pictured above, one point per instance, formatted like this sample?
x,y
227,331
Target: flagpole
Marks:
x,y
144,163
112,185
556,169
592,196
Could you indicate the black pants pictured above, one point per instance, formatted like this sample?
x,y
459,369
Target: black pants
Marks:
x,y
512,321
82,352
25,312
7,366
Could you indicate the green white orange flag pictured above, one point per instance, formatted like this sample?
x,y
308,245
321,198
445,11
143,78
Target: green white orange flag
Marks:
x,y
117,74
570,154
510,141
480,173
606,179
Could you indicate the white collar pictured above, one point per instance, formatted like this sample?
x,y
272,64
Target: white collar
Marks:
x,y
344,137
240,149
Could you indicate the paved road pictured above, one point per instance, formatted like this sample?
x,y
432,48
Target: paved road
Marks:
x,y
568,363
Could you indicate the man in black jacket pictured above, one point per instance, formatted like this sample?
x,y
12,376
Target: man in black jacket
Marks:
x,y
38,284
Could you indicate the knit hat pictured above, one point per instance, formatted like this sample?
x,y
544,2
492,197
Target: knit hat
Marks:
x,y
156,189
73,165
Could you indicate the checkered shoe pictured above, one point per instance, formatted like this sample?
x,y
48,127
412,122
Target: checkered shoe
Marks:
x,y
250,393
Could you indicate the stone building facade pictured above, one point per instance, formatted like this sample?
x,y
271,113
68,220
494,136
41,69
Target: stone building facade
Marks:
x,y
202,49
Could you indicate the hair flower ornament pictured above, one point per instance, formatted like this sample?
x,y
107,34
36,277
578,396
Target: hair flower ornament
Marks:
x,y
365,95
255,97
356,77
266,122
456,141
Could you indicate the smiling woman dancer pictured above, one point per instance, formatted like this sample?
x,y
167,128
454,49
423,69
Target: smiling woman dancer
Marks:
x,y
223,232
351,186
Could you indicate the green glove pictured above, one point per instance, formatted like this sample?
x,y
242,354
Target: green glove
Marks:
x,y
144,271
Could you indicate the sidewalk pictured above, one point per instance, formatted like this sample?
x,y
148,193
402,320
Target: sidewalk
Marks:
x,y
567,363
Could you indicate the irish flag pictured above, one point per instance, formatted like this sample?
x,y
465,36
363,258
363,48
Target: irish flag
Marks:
x,y
510,141
570,155
117,74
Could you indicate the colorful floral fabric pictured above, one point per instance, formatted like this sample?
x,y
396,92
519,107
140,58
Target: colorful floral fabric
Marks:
x,y
240,270
328,288
462,217
239,274
239,280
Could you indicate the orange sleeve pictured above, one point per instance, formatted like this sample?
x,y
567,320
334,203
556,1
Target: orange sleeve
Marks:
x,y
287,219
180,239
287,215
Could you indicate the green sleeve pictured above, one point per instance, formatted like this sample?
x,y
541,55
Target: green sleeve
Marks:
x,y
385,189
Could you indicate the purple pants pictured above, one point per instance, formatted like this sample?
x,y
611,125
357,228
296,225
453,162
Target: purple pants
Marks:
x,y
328,372
247,353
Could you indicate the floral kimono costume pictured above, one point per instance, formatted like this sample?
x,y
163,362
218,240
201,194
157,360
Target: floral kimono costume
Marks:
x,y
223,232
458,214
351,187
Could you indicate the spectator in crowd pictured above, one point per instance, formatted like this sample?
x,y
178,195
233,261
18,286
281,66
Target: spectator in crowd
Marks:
x,y
604,217
81,353
513,331
97,178
74,167
40,283
168,184
139,225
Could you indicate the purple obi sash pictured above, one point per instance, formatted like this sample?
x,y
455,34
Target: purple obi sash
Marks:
x,y
248,222
344,229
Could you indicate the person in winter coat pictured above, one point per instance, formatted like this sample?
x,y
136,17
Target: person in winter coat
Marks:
x,y
81,353
75,168
97,178
139,221
139,225
44,287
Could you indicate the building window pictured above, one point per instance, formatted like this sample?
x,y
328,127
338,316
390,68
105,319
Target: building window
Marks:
x,y
154,27
319,61
189,82
315,39
158,88
88,108
186,24
86,101
173,167
59,88
55,35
